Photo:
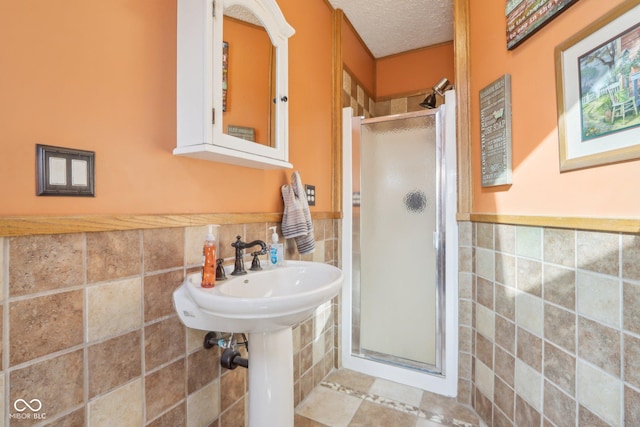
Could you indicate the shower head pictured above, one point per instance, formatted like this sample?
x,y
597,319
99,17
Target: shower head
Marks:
x,y
431,99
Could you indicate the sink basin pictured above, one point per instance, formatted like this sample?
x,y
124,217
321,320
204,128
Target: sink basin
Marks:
x,y
258,301
266,305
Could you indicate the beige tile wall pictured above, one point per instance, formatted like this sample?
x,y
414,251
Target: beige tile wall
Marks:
x,y
356,97
90,331
549,325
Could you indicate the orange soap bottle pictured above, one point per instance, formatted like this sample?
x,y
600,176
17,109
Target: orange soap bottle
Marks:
x,y
209,260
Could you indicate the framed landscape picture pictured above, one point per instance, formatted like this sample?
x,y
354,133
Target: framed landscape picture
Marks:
x,y
598,91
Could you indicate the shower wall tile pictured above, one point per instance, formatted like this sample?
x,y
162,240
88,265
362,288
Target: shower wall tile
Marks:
x,y
484,235
113,255
560,247
121,407
505,365
631,302
600,393
526,415
176,417
31,269
506,269
164,388
92,331
529,242
528,384
158,294
631,407
598,252
234,386
529,312
194,238
398,106
559,408
57,382
505,238
630,256
465,259
504,397
163,248
43,325
600,345
113,308
632,360
560,286
529,349
485,263
599,297
505,301
560,327
164,341
529,276
202,368
560,368
484,290
566,328
484,378
203,406
505,334
114,362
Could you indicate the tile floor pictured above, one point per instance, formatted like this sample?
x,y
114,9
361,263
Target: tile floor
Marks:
x,y
351,399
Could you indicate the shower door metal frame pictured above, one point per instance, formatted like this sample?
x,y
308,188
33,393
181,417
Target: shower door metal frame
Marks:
x,y
439,239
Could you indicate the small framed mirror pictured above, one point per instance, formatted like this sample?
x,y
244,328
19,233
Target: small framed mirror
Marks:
x,y
248,78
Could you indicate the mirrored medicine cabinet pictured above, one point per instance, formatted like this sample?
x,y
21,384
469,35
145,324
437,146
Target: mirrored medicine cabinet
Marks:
x,y
232,82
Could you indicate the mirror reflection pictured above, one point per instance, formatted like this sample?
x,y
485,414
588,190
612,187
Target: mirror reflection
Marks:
x,y
248,78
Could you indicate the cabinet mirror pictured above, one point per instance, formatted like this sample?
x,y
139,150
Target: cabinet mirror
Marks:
x,y
232,100
248,84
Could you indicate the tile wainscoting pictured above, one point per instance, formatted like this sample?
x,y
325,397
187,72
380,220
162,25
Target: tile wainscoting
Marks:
x,y
549,325
89,330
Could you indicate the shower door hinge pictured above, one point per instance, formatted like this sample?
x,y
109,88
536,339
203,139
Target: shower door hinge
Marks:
x,y
213,116
213,8
437,235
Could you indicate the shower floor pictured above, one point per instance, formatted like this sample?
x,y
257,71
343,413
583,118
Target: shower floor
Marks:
x,y
347,398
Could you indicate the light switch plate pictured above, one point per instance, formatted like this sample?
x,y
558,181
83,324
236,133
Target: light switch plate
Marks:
x,y
311,194
64,171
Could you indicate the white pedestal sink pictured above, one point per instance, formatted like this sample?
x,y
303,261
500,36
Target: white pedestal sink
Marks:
x,y
264,304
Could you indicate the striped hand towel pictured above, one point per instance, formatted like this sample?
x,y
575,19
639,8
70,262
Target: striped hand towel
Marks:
x,y
296,218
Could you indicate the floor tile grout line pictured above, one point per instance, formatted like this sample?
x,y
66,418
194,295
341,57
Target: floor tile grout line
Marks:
x,y
399,406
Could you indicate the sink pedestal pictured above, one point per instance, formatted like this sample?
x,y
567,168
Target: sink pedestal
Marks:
x,y
271,378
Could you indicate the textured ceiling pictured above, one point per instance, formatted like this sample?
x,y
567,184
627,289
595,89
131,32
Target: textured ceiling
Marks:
x,y
389,27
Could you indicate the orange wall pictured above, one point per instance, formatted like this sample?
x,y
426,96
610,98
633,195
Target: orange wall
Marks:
x,y
414,70
358,59
538,187
101,76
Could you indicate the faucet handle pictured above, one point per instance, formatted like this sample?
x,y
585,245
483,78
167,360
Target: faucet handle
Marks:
x,y
255,263
220,273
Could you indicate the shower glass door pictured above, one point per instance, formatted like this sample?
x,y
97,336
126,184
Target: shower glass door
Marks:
x,y
398,242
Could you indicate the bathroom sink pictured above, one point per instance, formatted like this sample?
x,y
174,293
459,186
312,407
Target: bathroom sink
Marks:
x,y
265,300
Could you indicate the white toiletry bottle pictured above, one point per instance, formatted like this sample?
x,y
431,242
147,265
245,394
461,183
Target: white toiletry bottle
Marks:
x,y
276,250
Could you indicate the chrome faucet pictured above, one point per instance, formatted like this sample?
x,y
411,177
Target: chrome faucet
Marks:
x,y
238,268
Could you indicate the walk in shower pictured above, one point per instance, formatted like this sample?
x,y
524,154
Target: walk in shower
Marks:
x,y
399,318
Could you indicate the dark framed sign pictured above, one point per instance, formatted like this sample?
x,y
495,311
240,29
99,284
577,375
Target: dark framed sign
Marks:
x,y
525,17
495,132
64,171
